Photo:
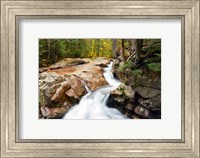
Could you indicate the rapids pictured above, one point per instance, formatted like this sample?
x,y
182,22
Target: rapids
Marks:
x,y
93,105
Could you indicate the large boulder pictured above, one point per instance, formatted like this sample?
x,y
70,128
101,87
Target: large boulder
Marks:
x,y
93,79
141,102
68,62
147,92
63,84
153,104
122,99
58,93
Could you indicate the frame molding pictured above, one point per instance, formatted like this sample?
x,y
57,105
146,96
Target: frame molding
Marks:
x,y
13,10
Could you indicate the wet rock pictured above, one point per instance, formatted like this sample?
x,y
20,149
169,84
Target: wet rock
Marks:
x,y
119,91
121,99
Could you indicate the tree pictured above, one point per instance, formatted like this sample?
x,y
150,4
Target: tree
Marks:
x,y
122,52
137,45
114,47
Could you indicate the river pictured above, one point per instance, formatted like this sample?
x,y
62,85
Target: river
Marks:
x,y
93,105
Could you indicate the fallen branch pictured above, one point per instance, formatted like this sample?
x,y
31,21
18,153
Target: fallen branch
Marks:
x,y
131,56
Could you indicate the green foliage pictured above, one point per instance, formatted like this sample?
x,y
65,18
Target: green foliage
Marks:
x,y
154,66
137,73
127,65
152,47
50,50
154,61
158,55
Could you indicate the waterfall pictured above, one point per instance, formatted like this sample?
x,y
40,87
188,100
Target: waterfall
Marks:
x,y
93,105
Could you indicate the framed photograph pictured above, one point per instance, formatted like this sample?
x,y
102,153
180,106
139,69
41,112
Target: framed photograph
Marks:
x,y
100,78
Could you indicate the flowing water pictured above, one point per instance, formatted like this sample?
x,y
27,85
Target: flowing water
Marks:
x,y
93,105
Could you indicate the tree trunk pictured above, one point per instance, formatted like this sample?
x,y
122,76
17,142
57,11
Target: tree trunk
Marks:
x,y
136,49
140,43
98,47
123,53
114,48
49,48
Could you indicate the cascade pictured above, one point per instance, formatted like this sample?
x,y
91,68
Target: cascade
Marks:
x,y
93,105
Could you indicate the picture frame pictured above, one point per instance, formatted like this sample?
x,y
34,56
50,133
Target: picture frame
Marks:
x,y
12,11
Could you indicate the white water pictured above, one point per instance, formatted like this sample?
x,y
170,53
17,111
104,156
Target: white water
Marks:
x,y
93,104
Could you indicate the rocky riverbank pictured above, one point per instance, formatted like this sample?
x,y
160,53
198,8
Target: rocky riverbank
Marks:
x,y
64,83
139,96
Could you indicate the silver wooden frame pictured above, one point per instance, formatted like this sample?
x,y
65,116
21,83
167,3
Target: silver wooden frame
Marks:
x,y
13,11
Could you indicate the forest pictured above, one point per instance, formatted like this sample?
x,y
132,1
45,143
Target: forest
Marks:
x,y
123,76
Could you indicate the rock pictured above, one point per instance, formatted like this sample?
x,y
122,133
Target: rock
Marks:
x,y
155,101
120,75
57,91
60,92
72,93
76,84
91,74
50,79
121,99
119,91
143,112
120,58
116,63
72,87
69,62
121,86
53,113
147,92
64,85
135,117
150,82
130,107
42,69
124,91
152,103
132,103
78,62
129,92
102,65
94,79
